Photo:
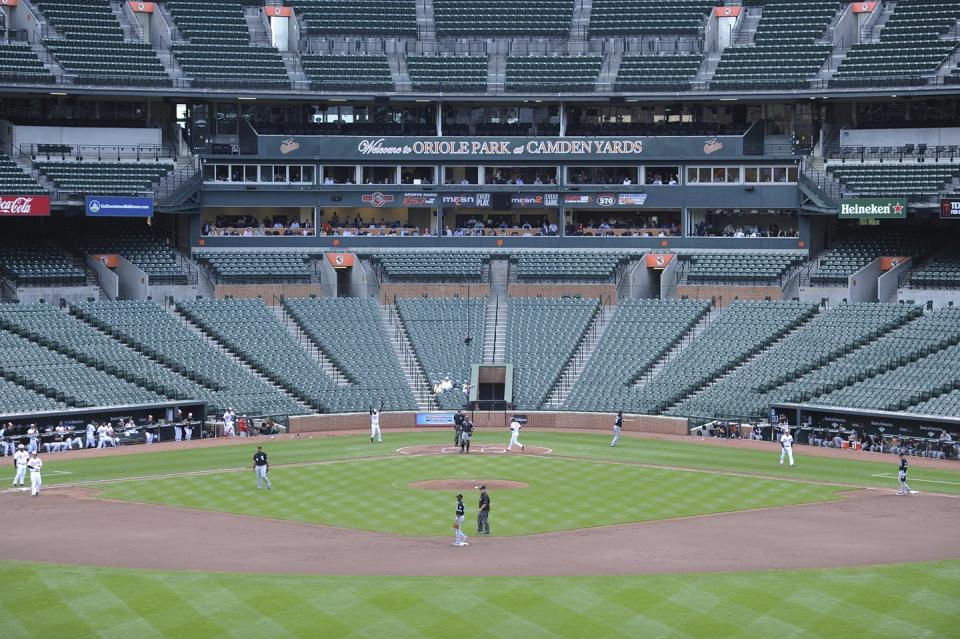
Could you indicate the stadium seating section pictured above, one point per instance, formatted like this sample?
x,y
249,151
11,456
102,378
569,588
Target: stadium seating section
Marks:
x,y
437,328
942,271
289,268
503,18
893,178
786,53
657,72
24,263
910,47
137,244
639,334
76,179
20,63
737,268
552,74
93,48
542,336
14,181
440,266
625,18
835,265
348,72
448,74
159,335
750,390
218,52
359,17
560,266
350,332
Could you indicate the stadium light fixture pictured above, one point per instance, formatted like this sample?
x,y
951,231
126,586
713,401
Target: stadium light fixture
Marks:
x,y
57,93
245,97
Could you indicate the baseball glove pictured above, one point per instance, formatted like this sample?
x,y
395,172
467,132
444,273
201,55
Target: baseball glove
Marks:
x,y
455,525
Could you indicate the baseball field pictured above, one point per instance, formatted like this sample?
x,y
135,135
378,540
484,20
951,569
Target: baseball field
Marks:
x,y
657,537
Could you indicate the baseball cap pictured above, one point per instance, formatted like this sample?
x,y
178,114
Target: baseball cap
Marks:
x,y
484,487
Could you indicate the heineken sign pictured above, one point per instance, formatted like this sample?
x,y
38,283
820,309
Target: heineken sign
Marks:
x,y
876,208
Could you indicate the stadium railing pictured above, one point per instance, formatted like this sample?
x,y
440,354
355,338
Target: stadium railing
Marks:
x,y
99,153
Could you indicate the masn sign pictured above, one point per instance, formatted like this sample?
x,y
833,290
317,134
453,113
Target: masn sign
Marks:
x,y
877,208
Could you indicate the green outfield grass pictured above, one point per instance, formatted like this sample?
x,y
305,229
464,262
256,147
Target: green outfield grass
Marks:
x,y
684,454
899,601
373,494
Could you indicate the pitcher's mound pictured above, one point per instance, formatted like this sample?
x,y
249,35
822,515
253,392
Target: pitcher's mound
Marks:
x,y
475,449
464,485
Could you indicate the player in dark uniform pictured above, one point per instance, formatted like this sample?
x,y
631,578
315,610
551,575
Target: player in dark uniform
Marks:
x,y
458,420
902,475
483,513
262,466
461,538
466,433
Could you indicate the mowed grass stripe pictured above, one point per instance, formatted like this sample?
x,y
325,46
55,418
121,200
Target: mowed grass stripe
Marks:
x,y
877,601
693,455
562,494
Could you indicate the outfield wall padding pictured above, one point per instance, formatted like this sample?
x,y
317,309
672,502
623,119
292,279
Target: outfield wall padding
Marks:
x,y
496,421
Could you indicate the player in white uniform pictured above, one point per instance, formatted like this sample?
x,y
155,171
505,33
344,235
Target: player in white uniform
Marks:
x,y
228,428
786,445
375,425
514,435
35,464
34,435
20,459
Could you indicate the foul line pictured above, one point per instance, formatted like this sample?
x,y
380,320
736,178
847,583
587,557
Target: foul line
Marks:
x,y
929,481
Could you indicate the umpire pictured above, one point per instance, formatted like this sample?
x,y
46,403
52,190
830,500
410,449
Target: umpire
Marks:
x,y
458,426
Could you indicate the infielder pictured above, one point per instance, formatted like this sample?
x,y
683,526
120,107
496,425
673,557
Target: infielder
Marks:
x,y
20,459
617,425
466,434
786,445
514,435
460,537
904,488
35,464
375,424
262,467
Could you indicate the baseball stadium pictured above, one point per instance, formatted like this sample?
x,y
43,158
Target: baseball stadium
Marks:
x,y
479,318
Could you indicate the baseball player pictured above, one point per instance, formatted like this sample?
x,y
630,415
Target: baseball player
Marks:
x,y
617,425
7,443
35,464
375,424
262,467
91,439
786,445
457,425
34,444
188,427
460,538
902,475
228,427
466,434
20,459
514,435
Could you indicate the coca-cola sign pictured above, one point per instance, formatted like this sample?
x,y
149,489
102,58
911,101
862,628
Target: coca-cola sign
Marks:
x,y
24,205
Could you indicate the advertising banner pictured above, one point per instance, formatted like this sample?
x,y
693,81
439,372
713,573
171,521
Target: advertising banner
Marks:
x,y
534,200
726,12
340,260
605,200
466,200
278,12
864,7
874,208
142,7
419,200
24,205
950,209
658,261
112,206
434,419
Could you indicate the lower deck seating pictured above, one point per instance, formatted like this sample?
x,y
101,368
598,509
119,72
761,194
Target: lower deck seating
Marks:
x,y
437,328
566,266
26,263
138,244
370,18
835,265
542,336
147,328
773,66
616,18
738,268
942,271
503,18
440,266
231,65
283,267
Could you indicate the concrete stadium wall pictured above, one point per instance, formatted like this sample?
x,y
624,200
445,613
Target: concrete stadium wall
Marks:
x,y
496,421
266,291
939,296
606,292
725,295
390,291
888,282
863,283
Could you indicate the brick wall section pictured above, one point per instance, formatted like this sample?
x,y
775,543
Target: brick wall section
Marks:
x,y
606,292
725,294
266,291
497,421
390,291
